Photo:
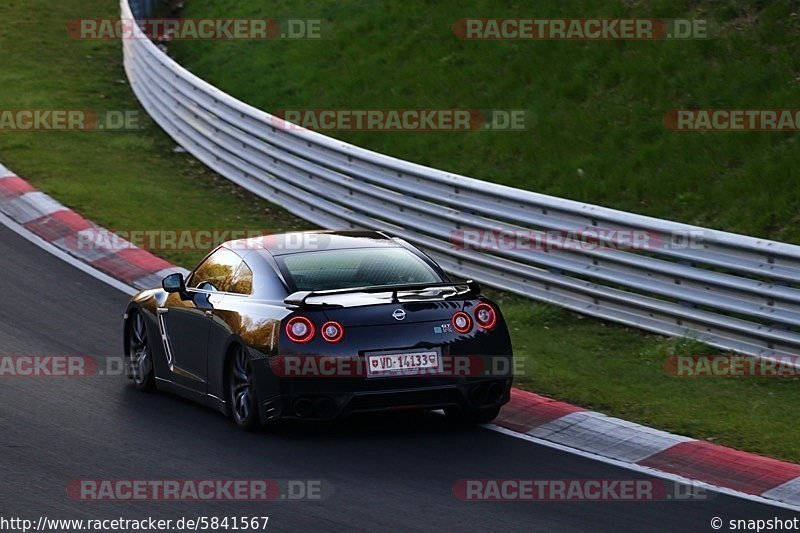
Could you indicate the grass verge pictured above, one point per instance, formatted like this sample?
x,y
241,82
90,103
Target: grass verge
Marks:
x,y
134,180
596,129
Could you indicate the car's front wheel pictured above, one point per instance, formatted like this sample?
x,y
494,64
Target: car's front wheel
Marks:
x,y
241,392
140,355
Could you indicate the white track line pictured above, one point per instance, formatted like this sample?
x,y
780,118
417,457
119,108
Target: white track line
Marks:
x,y
642,469
41,243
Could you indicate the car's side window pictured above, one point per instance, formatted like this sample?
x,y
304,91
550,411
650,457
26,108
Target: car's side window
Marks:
x,y
242,280
217,270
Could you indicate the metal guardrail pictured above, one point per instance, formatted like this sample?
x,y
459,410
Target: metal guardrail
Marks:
x,y
728,290
142,8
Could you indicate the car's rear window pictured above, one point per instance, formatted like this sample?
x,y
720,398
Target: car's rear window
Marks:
x,y
356,267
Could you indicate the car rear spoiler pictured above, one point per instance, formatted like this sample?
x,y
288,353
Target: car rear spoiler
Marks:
x,y
462,288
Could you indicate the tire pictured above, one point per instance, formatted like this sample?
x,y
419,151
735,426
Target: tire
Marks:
x,y
241,390
472,415
140,354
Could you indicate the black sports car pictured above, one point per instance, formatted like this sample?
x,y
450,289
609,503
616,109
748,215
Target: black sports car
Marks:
x,y
317,325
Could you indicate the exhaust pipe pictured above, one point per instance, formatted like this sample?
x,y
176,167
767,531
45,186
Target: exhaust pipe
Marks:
x,y
495,393
478,394
325,407
303,407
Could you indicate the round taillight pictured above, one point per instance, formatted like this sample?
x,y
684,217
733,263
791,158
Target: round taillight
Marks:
x,y
332,331
300,329
485,316
462,322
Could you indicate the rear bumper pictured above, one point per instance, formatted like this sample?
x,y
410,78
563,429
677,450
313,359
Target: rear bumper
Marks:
x,y
311,404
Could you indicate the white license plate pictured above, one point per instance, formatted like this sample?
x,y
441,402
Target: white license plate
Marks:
x,y
409,363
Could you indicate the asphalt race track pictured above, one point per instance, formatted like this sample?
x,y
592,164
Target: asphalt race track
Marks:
x,y
393,472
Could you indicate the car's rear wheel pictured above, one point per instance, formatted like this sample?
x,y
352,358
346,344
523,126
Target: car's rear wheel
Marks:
x,y
241,392
472,415
140,355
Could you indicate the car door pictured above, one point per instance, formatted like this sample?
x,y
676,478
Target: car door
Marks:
x,y
186,324
230,318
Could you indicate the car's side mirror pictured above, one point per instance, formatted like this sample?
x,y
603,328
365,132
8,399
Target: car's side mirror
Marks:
x,y
175,283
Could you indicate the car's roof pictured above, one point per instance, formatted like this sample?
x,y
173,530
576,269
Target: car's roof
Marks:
x,y
306,241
